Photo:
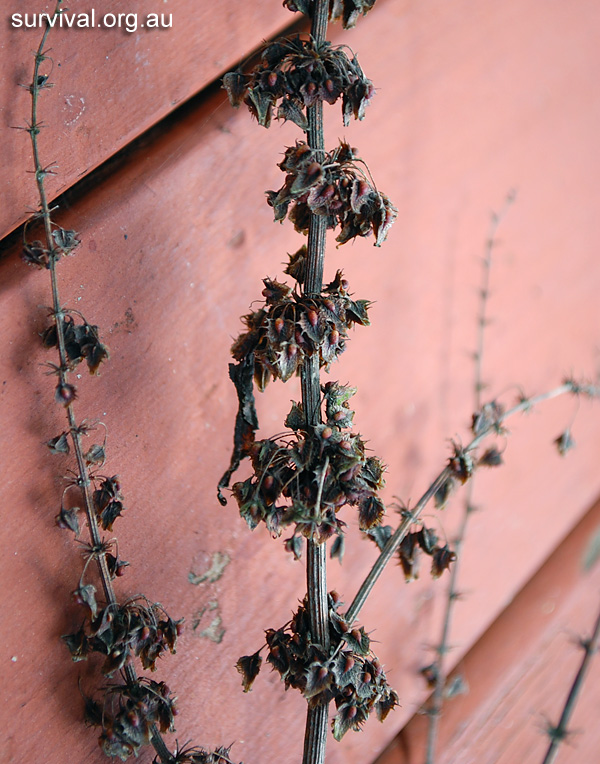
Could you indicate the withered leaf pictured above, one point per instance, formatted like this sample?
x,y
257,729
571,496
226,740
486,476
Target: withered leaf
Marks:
x,y
246,421
443,493
96,455
381,535
59,444
442,557
388,701
86,595
564,443
338,548
370,512
490,458
67,518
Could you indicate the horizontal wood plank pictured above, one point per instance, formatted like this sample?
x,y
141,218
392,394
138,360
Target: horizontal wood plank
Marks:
x,y
111,84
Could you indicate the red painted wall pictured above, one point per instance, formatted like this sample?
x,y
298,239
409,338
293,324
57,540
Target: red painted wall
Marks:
x,y
473,100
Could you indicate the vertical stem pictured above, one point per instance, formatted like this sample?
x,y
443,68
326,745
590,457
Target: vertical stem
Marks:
x,y
437,697
315,738
84,481
559,733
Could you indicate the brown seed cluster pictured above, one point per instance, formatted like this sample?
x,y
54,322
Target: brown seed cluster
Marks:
x,y
291,328
335,187
294,74
128,714
120,632
423,540
108,502
348,673
306,478
197,755
348,11
82,342
36,254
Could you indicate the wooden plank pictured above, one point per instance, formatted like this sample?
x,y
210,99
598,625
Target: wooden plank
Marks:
x,y
520,671
174,246
111,84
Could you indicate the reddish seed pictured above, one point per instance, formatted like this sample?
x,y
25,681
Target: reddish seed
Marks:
x,y
272,79
346,445
322,673
329,304
313,317
339,415
145,633
179,629
268,481
327,433
349,664
329,85
351,712
133,719
356,634
120,571
314,168
174,709
334,337
65,393
310,88
367,677
291,351
334,596
279,323
345,283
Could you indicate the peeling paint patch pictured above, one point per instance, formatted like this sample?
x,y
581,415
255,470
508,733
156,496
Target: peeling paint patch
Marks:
x,y
76,106
220,560
214,631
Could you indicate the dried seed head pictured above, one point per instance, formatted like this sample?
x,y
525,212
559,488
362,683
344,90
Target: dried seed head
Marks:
x,y
65,393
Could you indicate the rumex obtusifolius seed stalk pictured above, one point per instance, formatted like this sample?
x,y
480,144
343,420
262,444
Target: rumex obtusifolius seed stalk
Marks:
x,y
137,710
321,465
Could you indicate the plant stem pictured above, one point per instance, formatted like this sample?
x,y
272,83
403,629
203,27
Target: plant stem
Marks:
x,y
315,738
83,481
559,732
394,542
436,702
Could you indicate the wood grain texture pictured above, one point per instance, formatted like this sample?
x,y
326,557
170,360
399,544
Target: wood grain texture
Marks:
x,y
520,671
473,100
111,84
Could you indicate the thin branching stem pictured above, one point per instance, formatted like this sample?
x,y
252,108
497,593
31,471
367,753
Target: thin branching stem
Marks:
x,y
84,481
559,733
524,404
315,738
436,701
